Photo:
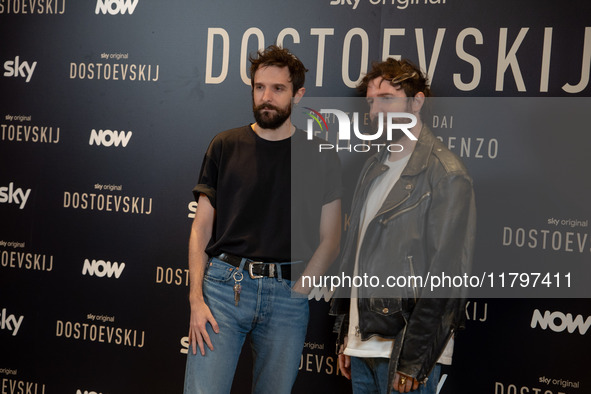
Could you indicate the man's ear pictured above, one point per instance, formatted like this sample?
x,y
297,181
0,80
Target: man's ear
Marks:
x,y
417,102
298,95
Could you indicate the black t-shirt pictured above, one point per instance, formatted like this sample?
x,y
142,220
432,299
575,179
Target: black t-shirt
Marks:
x,y
264,211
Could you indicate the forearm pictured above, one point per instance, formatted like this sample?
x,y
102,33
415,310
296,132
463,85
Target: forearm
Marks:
x,y
450,240
197,263
431,324
330,237
201,231
322,258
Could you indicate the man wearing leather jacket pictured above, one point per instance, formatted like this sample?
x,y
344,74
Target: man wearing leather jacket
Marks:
x,y
413,214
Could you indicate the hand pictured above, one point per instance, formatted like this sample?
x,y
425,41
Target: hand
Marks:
x,y
300,289
404,383
345,365
344,361
200,316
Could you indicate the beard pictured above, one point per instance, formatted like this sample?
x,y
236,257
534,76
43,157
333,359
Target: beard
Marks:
x,y
268,120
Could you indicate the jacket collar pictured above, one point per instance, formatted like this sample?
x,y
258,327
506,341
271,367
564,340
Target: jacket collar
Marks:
x,y
417,163
419,158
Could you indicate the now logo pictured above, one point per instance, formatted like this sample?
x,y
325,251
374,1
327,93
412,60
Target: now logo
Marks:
x,y
114,7
558,322
109,137
101,268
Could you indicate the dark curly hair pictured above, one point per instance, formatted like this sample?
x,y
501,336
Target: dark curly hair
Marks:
x,y
279,57
400,74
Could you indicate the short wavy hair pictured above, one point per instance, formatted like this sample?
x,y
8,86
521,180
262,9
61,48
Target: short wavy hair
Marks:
x,y
279,57
400,74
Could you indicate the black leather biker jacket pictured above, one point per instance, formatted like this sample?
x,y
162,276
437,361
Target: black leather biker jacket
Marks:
x,y
425,227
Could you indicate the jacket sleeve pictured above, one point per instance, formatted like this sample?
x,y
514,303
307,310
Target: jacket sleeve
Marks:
x,y
450,235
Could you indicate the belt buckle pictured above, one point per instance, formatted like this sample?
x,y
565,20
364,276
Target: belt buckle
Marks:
x,y
254,276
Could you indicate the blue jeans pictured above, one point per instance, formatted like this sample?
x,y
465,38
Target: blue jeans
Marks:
x,y
275,318
370,376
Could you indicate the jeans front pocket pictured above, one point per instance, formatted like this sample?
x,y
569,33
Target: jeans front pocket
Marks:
x,y
218,271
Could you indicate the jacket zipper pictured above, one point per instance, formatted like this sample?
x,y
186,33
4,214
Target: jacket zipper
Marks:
x,y
412,272
384,221
394,207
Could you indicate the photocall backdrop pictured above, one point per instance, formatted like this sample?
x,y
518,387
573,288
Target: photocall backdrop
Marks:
x,y
107,107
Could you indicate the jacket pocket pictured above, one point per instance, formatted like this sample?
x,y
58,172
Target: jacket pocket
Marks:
x,y
385,306
381,316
